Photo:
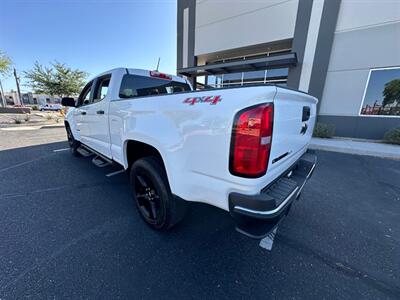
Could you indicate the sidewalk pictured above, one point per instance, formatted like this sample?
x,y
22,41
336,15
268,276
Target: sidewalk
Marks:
x,y
356,147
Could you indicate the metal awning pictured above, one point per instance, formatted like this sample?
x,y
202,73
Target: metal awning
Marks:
x,y
268,62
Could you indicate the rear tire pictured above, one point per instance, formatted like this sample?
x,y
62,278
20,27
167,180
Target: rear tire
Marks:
x,y
73,144
151,192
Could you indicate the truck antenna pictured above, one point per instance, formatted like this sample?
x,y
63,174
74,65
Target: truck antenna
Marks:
x,y
158,63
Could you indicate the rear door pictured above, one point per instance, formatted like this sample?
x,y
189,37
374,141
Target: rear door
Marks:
x,y
294,118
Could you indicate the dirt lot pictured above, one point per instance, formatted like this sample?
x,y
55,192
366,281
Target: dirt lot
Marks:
x,y
35,118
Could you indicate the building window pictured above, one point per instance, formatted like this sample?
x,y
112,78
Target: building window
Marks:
x,y
214,81
232,79
266,76
254,77
382,93
275,76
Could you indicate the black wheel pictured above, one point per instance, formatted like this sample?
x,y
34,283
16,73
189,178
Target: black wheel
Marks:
x,y
150,190
73,144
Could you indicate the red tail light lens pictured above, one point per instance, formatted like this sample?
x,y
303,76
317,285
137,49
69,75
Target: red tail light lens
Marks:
x,y
251,141
160,75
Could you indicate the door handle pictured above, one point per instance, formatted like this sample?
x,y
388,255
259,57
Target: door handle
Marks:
x,y
100,112
306,113
83,112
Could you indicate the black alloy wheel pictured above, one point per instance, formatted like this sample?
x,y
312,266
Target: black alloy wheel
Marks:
x,y
158,207
148,199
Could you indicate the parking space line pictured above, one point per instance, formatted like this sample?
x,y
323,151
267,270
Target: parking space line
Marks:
x,y
24,163
115,173
59,150
72,187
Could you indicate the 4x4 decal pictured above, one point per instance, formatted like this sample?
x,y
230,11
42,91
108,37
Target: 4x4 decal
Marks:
x,y
213,100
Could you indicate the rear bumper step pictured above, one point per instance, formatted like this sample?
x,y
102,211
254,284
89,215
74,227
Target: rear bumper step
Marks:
x,y
257,215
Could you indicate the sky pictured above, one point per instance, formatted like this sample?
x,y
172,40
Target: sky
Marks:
x,y
91,35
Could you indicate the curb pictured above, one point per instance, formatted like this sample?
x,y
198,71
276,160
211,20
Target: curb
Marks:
x,y
355,151
20,128
52,126
25,128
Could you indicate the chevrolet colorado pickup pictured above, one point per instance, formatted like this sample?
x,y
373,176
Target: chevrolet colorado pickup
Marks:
x,y
241,149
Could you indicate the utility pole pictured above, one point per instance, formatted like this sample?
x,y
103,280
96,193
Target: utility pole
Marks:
x,y
18,90
3,97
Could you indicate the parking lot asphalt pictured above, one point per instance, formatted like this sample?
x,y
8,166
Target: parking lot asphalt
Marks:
x,y
68,231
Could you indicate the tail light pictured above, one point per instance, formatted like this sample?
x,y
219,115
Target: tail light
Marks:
x,y
251,141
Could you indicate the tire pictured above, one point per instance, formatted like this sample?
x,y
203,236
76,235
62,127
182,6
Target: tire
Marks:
x,y
151,192
73,144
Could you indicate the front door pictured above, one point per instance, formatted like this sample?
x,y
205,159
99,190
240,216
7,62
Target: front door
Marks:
x,y
80,113
97,117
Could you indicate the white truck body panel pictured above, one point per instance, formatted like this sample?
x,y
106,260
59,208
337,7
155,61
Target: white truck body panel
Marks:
x,y
194,140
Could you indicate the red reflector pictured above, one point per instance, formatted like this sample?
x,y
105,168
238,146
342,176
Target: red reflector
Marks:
x,y
160,75
251,141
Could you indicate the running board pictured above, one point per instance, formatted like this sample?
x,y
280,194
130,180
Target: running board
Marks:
x,y
84,152
100,162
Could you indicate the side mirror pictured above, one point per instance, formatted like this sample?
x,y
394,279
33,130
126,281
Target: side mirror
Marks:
x,y
68,101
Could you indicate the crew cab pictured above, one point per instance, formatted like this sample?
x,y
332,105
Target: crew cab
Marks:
x,y
242,149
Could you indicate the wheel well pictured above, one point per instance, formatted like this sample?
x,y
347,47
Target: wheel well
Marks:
x,y
136,150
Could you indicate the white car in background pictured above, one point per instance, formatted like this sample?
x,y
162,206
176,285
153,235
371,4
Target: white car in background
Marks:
x,y
51,107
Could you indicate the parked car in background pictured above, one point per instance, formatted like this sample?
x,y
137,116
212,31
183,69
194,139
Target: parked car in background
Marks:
x,y
51,107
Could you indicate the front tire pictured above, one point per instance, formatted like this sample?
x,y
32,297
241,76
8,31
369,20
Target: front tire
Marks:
x,y
151,192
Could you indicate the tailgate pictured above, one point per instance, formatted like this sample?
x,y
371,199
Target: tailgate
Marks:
x,y
294,118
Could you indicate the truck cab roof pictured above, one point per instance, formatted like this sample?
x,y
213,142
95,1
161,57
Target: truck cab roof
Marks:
x,y
140,72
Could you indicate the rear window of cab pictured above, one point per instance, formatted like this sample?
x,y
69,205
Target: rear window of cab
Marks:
x,y
140,86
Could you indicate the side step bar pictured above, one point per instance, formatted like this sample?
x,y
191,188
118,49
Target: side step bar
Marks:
x,y
99,160
84,152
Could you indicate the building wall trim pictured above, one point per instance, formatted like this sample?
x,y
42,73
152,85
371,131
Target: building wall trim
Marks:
x,y
190,5
299,41
323,48
360,127
311,44
270,62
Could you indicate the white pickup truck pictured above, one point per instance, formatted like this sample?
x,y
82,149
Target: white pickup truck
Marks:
x,y
241,149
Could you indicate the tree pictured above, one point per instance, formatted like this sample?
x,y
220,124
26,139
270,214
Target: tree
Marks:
x,y
58,79
5,68
391,92
5,64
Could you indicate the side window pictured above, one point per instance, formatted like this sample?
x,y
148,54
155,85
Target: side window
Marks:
x,y
84,97
139,86
101,89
